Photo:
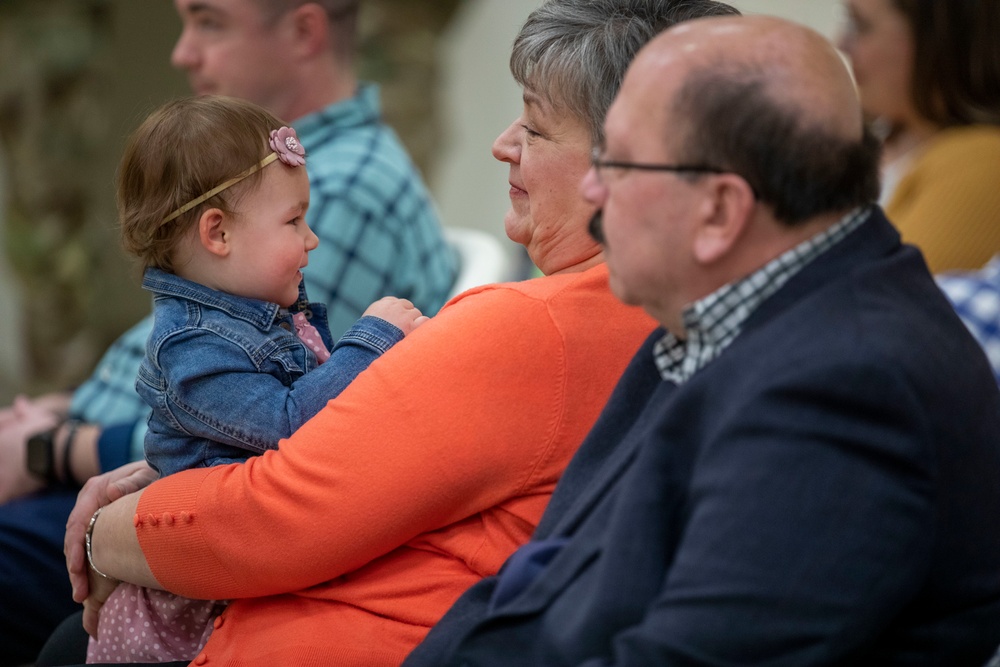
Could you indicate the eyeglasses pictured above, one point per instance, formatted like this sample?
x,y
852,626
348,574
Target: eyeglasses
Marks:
x,y
599,164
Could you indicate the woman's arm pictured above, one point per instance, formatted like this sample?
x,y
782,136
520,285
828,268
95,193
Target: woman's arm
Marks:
x,y
454,420
116,550
100,491
125,560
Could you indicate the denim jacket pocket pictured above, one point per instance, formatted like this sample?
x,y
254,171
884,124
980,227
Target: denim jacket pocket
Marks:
x,y
286,358
149,377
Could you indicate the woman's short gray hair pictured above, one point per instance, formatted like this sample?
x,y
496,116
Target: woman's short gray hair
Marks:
x,y
574,53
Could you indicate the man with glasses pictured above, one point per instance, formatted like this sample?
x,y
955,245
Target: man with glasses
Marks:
x,y
379,235
799,467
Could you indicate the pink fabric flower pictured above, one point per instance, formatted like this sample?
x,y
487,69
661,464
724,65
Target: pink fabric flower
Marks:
x,y
286,144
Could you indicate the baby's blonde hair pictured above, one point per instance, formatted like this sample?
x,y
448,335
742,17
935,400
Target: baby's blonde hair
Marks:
x,y
181,151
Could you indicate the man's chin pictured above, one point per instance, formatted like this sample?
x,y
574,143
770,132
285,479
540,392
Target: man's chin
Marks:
x,y
203,89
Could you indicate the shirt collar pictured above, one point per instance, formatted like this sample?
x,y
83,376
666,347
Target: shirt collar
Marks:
x,y
362,109
261,314
713,322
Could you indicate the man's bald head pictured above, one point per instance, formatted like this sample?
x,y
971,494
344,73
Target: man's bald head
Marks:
x,y
771,101
798,66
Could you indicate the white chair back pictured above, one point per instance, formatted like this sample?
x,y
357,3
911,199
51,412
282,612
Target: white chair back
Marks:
x,y
482,257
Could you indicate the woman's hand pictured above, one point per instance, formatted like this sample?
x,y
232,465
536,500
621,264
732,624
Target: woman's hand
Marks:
x,y
100,589
96,493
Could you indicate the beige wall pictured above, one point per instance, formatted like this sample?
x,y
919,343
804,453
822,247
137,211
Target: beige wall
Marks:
x,y
479,100
821,15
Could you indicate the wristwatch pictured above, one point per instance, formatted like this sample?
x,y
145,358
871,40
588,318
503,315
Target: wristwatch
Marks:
x,y
41,455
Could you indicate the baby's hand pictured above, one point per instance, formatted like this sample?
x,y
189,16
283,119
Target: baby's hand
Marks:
x,y
398,312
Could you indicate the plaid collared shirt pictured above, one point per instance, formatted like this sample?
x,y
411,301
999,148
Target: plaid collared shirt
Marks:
x,y
712,323
378,229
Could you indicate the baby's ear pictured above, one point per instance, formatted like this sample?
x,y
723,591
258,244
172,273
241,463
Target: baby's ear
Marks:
x,y
213,231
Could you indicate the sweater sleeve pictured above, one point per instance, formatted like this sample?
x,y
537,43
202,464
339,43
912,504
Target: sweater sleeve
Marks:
x,y
450,422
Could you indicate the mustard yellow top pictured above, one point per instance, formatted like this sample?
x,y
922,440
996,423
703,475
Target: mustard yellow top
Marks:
x,y
948,203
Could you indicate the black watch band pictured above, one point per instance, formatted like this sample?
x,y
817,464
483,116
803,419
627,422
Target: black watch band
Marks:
x,y
41,455
69,479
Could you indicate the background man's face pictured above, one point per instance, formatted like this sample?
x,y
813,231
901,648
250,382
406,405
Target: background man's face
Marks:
x,y
227,48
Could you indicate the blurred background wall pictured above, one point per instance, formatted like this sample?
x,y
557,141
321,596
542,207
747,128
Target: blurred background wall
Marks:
x,y
479,99
76,76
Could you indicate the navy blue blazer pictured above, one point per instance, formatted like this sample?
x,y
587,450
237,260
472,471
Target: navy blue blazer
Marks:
x,y
827,491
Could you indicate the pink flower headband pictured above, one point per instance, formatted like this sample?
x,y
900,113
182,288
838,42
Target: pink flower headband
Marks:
x,y
285,144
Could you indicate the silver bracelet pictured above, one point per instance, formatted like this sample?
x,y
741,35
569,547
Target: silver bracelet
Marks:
x,y
87,542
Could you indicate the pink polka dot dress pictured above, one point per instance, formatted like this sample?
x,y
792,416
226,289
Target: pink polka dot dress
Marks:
x,y
144,625
309,335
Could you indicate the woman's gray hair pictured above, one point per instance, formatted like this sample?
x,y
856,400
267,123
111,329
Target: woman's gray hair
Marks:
x,y
574,53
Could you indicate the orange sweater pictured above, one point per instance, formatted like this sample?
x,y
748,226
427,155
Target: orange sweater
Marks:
x,y
346,544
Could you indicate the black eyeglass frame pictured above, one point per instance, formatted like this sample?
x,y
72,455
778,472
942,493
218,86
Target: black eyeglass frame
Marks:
x,y
597,163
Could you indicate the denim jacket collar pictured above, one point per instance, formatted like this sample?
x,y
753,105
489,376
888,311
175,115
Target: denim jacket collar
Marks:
x,y
261,314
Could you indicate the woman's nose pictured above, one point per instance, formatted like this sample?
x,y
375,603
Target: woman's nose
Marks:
x,y
507,147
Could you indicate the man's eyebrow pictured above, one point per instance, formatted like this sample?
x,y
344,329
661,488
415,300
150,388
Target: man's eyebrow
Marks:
x,y
203,8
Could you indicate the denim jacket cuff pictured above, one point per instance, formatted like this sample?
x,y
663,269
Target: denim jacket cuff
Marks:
x,y
372,333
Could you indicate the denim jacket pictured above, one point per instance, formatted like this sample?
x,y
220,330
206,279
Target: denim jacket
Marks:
x,y
227,377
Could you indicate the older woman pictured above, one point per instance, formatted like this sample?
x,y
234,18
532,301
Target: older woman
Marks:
x,y
348,542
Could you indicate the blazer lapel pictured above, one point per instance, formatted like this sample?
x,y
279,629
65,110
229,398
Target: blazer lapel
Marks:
x,y
876,237
590,491
606,451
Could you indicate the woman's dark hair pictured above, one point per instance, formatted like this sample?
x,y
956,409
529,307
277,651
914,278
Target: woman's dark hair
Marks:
x,y
956,68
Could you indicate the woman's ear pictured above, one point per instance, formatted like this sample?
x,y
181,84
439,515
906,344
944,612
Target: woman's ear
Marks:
x,y
214,232
724,215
